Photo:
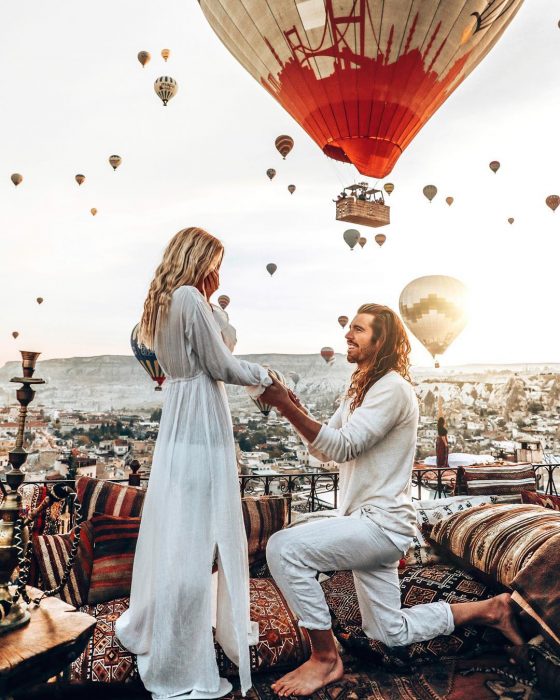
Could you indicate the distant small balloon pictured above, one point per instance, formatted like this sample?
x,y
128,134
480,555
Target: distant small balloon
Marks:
x,y
166,88
351,237
430,192
165,54
388,187
40,300
343,320
494,166
552,201
80,179
271,268
327,354
449,200
380,239
223,301
511,220
362,240
284,145
16,178
271,173
115,161
14,334
291,189
144,57
93,211
294,376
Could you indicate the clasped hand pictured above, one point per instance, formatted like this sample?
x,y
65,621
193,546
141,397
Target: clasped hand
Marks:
x,y
280,396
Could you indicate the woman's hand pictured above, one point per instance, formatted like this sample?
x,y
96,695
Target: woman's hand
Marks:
x,y
211,283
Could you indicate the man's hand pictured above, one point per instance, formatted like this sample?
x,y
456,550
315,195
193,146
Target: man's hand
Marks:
x,y
276,395
295,400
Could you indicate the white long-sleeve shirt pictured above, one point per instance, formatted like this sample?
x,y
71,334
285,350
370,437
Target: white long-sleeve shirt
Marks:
x,y
375,447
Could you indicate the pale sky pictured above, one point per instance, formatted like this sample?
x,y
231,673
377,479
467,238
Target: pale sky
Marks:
x,y
74,93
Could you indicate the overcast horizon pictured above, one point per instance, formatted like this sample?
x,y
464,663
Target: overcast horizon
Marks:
x,y
75,94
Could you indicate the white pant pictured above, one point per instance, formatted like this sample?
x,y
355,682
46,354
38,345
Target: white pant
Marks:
x,y
355,543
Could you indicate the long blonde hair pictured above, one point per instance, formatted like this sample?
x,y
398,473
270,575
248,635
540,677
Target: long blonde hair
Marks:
x,y
186,261
392,353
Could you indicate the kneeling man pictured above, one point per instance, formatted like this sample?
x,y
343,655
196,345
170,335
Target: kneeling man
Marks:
x,y
373,437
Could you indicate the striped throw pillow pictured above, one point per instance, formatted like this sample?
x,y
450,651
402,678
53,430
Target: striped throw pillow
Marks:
x,y
52,553
113,556
498,479
99,496
498,540
263,516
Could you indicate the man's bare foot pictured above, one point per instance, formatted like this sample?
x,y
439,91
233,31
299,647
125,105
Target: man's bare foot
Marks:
x,y
502,618
315,673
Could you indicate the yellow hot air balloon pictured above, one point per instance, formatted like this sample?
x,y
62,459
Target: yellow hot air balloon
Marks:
x,y
449,200
115,161
93,211
165,54
380,239
388,187
144,57
80,179
494,166
16,178
433,309
430,192
165,88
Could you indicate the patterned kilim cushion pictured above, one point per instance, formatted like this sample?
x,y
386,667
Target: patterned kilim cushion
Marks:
x,y
497,479
422,552
418,585
497,539
282,642
99,496
541,499
104,659
263,516
52,552
113,556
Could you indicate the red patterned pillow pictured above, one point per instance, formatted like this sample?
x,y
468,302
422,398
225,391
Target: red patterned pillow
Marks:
x,y
113,556
100,496
52,553
541,499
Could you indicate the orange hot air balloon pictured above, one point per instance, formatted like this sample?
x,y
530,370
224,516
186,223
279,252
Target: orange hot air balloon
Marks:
x,y
449,200
360,76
343,320
552,201
284,145
380,239
165,53
93,211
327,354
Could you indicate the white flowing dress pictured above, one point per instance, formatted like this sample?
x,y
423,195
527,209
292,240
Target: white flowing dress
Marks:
x,y
192,509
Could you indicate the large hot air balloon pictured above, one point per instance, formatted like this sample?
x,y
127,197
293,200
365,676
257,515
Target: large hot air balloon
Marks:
x,y
552,201
15,334
327,354
144,57
264,407
291,189
80,179
389,187
284,145
351,237
449,200
271,268
360,76
271,173
39,300
430,192
362,240
16,178
115,161
343,320
433,309
165,53
380,239
165,88
146,358
223,301
494,166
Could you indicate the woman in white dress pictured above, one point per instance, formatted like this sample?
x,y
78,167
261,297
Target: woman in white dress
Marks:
x,y
192,511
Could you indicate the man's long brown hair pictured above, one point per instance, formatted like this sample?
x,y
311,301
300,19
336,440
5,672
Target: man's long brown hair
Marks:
x,y
392,352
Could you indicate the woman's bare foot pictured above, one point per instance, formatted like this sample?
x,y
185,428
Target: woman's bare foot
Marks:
x,y
315,673
503,618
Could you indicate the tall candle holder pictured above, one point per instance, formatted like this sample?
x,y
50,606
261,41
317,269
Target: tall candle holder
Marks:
x,y
13,537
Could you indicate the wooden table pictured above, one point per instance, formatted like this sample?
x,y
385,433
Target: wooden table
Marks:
x,y
55,636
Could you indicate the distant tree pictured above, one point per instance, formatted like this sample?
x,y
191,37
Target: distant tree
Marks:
x,y
245,443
